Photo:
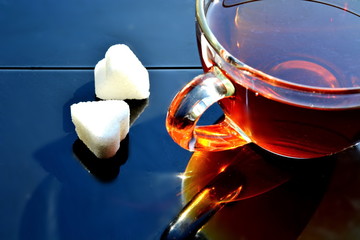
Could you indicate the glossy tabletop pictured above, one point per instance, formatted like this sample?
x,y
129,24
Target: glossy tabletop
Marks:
x,y
77,33
53,188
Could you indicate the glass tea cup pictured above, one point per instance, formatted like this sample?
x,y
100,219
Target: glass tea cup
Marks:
x,y
286,74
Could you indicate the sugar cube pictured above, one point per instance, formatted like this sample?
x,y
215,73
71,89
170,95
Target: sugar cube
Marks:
x,y
101,125
121,75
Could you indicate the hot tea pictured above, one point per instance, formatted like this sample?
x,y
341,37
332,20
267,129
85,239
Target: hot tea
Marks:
x,y
310,44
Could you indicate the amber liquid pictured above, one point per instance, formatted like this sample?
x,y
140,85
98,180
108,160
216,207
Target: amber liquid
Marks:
x,y
304,42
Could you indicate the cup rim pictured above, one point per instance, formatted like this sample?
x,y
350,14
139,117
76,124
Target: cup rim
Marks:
x,y
234,62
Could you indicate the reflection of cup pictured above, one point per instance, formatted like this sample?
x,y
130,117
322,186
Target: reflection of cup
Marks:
x,y
229,194
278,200
285,74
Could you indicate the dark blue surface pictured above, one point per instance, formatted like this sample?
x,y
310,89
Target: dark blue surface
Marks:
x,y
76,33
46,191
51,186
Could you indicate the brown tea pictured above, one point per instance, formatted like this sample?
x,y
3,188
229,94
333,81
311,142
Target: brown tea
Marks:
x,y
308,43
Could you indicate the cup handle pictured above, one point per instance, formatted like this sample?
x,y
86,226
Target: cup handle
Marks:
x,y
188,106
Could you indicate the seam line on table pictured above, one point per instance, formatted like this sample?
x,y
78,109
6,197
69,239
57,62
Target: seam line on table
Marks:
x,y
92,68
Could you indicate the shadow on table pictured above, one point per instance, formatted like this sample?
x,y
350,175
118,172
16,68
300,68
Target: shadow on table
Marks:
x,y
105,170
338,215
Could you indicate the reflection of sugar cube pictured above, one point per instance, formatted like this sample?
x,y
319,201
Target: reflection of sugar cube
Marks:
x,y
101,125
120,75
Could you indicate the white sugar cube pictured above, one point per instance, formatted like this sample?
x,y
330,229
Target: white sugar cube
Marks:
x,y
121,75
101,125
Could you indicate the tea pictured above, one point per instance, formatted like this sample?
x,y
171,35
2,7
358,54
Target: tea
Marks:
x,y
309,43
305,42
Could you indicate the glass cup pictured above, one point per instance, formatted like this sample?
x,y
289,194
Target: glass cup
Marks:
x,y
285,73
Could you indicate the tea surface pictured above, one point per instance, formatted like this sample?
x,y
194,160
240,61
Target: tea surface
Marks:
x,y
305,42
